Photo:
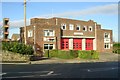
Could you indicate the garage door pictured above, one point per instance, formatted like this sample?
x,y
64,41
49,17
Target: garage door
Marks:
x,y
65,44
77,44
89,44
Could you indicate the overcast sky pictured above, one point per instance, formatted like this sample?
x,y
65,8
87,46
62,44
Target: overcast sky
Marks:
x,y
104,13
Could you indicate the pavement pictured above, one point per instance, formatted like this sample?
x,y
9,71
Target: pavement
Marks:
x,y
103,57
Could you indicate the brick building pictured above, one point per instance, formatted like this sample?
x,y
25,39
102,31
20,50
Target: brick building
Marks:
x,y
67,34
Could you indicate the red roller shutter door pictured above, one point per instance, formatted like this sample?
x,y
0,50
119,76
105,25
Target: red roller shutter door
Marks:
x,y
77,44
89,44
65,44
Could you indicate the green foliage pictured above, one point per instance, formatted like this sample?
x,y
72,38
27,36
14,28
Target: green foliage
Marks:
x,y
88,54
17,48
60,54
116,45
72,54
116,48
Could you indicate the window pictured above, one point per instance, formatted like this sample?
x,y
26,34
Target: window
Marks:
x,y
85,28
63,26
48,46
71,26
78,27
48,32
30,33
107,45
90,28
106,35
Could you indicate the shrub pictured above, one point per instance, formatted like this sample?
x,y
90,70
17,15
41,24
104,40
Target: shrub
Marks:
x,y
60,54
116,48
65,54
88,54
72,54
17,48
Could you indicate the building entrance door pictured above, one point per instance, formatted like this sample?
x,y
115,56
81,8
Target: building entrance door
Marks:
x,y
65,44
77,44
89,44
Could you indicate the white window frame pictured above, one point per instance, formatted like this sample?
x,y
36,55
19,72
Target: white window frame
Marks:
x,y
71,27
30,33
48,33
48,45
91,28
107,45
85,28
49,39
78,26
62,26
107,34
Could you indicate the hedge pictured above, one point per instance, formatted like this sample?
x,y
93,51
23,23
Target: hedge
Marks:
x,y
61,54
88,54
72,54
17,48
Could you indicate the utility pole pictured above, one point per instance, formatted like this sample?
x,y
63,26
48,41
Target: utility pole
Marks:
x,y
34,41
25,29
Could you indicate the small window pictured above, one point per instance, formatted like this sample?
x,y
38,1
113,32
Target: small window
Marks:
x,y
106,35
78,27
107,45
71,26
90,28
30,33
45,46
85,28
48,46
49,33
63,26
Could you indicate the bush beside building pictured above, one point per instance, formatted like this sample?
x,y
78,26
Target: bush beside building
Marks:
x,y
72,54
116,48
17,48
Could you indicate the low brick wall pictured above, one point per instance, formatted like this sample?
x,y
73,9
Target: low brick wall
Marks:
x,y
9,56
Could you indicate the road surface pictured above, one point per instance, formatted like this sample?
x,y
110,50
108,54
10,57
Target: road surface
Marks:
x,y
66,70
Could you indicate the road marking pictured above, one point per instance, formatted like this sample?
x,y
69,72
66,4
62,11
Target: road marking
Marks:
x,y
39,73
51,72
101,69
3,74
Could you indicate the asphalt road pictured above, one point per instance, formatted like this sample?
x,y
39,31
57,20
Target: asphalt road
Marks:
x,y
78,70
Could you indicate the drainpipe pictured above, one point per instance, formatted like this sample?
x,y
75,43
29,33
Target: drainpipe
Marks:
x,y
56,22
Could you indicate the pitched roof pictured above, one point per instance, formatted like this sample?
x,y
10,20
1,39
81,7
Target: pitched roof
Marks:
x,y
15,37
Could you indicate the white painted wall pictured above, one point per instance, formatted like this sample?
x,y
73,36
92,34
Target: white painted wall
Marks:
x,y
83,44
94,44
71,44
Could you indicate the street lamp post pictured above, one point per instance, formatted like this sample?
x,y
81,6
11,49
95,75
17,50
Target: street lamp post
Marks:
x,y
34,41
25,29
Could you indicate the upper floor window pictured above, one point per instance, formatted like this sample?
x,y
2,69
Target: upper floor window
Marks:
x,y
106,35
78,27
71,26
30,33
49,33
85,28
90,28
63,26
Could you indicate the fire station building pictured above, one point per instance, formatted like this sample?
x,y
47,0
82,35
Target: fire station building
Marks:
x,y
67,34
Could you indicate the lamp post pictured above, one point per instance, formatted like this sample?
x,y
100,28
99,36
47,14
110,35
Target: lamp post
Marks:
x,y
25,29
34,41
